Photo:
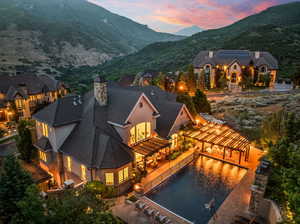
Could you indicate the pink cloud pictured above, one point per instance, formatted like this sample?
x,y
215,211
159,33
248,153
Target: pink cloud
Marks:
x,y
207,14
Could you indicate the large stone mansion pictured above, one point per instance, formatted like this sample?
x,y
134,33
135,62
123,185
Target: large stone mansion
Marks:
x,y
107,132
22,94
234,63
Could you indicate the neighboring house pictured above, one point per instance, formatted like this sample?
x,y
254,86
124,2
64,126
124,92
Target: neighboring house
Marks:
x,y
108,133
234,63
22,94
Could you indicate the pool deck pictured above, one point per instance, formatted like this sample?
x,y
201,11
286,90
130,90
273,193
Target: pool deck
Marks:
x,y
238,200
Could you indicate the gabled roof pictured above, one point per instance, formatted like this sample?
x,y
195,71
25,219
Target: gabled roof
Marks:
x,y
167,106
94,142
63,111
120,103
33,84
226,57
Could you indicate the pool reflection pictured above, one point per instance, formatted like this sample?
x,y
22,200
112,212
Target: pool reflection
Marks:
x,y
187,192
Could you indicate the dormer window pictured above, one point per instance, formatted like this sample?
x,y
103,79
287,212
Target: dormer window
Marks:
x,y
141,105
235,67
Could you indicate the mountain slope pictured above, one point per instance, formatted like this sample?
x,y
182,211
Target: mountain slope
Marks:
x,y
67,33
189,31
263,31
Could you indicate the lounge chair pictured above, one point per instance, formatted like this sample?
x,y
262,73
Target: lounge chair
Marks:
x,y
162,218
149,211
140,205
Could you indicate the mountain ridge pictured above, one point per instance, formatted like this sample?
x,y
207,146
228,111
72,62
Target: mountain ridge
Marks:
x,y
64,33
172,56
189,31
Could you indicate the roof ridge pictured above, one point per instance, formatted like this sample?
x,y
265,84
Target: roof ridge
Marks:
x,y
56,109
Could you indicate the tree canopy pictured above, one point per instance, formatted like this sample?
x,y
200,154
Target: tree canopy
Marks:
x,y
13,184
284,153
24,142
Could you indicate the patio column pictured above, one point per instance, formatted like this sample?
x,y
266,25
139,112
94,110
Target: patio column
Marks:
x,y
240,158
224,151
202,147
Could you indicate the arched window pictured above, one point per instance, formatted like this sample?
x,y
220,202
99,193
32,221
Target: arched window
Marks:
x,y
207,68
263,69
140,132
233,77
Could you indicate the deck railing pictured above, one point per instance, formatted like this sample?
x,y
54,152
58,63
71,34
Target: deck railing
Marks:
x,y
171,168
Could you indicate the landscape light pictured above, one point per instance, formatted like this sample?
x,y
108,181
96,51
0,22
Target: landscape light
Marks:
x,y
181,87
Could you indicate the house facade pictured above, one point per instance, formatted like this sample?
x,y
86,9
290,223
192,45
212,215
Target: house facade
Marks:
x,y
22,94
108,134
236,65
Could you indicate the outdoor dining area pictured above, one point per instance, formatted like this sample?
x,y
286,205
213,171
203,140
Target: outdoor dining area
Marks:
x,y
149,154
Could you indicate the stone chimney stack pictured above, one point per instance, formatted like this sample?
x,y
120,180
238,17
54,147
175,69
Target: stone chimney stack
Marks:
x,y
257,54
100,90
210,54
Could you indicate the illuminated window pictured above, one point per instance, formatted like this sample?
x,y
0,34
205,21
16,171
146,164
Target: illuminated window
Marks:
x,y
123,175
109,178
43,156
174,141
45,129
19,104
69,163
83,172
140,132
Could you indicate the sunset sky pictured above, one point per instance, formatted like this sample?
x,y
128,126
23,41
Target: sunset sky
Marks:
x,y
172,15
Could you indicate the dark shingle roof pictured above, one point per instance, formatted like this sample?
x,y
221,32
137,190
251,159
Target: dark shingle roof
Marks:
x,y
63,111
32,83
94,142
243,57
44,144
121,101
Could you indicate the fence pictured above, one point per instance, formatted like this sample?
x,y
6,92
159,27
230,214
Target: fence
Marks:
x,y
171,168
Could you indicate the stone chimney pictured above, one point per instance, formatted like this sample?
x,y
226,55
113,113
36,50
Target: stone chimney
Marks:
x,y
100,90
210,54
257,54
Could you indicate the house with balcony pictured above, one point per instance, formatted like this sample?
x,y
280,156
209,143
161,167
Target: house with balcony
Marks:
x,y
236,65
109,133
22,94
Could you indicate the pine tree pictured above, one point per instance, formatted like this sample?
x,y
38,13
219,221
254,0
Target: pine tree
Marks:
x,y
24,142
188,101
13,184
191,79
31,208
201,103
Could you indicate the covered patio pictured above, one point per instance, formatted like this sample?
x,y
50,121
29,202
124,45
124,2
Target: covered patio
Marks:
x,y
151,153
221,142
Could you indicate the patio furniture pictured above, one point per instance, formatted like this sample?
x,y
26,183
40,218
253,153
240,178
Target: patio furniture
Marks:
x,y
162,218
149,211
168,221
156,215
140,205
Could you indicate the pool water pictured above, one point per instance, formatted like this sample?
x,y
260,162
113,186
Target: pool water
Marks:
x,y
187,192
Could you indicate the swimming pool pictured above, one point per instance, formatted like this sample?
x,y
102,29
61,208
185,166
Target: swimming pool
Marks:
x,y
187,192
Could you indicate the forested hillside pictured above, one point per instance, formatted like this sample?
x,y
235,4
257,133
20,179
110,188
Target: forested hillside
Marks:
x,y
276,30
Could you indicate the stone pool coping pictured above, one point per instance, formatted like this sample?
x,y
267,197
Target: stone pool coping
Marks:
x,y
236,203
